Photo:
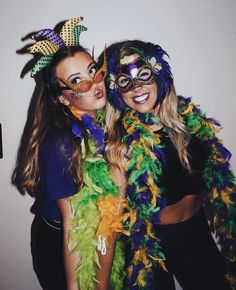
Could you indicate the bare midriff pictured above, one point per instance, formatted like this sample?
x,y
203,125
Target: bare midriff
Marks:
x,y
182,210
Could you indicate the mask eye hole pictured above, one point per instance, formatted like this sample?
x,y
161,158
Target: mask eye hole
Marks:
x,y
84,87
145,74
100,76
123,81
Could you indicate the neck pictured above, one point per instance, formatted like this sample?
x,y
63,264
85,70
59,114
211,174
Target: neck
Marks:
x,y
78,114
155,111
92,114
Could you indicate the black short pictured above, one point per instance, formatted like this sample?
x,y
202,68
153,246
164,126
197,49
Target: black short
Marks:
x,y
192,255
47,254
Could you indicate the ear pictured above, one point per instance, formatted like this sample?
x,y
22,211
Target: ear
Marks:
x,y
63,100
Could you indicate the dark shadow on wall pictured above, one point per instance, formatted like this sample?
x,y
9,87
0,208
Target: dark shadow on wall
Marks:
x,y
1,152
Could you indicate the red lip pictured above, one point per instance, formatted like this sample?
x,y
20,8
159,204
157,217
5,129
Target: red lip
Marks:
x,y
98,94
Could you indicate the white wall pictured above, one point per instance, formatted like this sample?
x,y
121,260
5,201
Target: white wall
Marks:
x,y
200,37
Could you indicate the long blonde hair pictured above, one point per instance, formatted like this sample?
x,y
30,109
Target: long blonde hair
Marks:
x,y
167,115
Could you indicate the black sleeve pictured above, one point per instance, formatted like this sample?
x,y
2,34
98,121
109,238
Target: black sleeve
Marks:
x,y
197,155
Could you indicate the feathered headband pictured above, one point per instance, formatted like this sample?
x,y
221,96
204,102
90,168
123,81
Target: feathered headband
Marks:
x,y
153,55
48,42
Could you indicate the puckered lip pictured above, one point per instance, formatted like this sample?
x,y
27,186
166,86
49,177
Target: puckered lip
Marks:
x,y
141,99
98,94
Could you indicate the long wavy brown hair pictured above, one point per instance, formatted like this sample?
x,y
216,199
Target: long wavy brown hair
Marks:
x,y
45,114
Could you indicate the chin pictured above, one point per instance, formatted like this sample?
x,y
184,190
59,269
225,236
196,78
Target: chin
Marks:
x,y
100,105
144,109
103,102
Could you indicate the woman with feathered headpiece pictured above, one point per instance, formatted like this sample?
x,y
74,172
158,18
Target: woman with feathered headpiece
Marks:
x,y
61,159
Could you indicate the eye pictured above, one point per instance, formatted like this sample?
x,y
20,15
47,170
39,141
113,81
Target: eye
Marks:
x,y
123,81
93,70
75,80
145,74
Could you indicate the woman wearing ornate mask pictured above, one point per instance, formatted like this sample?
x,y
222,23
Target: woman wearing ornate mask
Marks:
x,y
176,170
60,159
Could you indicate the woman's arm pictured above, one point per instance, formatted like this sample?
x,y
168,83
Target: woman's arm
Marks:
x,y
103,273
70,259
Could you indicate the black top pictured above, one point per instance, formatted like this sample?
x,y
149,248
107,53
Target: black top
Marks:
x,y
177,181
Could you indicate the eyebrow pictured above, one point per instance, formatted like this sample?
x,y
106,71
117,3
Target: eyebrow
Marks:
x,y
78,73
92,63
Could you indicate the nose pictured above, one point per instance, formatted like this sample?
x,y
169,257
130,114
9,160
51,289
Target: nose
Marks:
x,y
136,85
94,85
97,86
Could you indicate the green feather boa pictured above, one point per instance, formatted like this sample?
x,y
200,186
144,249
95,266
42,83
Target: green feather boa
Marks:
x,y
97,183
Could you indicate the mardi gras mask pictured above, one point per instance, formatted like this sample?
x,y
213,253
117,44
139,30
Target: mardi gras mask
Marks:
x,y
134,74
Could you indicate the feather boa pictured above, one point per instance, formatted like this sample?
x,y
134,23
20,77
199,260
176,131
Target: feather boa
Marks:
x,y
146,199
95,211
220,204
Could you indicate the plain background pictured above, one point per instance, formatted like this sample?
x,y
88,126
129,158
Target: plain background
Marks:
x,y
200,37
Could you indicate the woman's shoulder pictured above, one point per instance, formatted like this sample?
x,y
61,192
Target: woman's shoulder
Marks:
x,y
195,143
57,135
197,152
57,143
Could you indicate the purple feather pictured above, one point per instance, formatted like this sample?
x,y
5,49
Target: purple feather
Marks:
x,y
88,121
76,130
95,132
142,179
224,153
214,121
52,36
160,154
